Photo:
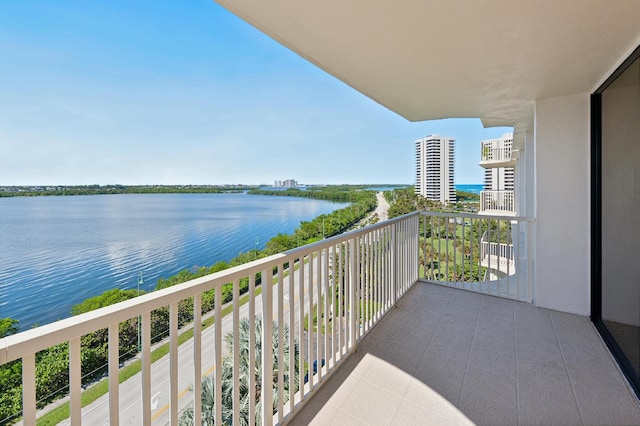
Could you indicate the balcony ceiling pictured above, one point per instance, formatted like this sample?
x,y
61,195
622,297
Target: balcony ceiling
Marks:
x,y
432,59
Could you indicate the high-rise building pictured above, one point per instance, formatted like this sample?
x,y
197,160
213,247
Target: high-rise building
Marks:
x,y
499,179
434,168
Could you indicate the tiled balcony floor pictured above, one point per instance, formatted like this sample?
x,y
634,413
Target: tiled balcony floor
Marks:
x,y
446,356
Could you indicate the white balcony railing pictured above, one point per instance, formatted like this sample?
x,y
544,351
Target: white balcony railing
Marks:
x,y
347,283
311,307
496,151
487,254
497,201
497,256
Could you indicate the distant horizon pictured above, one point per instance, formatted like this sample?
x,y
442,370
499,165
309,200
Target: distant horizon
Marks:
x,y
216,184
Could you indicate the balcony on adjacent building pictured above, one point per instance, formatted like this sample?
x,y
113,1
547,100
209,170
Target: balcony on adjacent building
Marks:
x,y
497,153
497,202
396,323
497,256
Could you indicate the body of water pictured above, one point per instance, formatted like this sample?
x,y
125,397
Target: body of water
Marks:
x,y
57,251
473,188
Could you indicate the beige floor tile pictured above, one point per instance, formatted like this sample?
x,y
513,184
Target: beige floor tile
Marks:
x,y
387,376
371,404
411,414
315,415
344,419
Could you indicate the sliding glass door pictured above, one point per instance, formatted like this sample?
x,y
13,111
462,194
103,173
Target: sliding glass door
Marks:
x,y
616,215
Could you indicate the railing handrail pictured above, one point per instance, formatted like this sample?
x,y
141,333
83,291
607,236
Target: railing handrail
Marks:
x,y
476,216
499,191
327,242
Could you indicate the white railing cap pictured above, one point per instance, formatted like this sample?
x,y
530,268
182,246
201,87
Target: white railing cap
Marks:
x,y
478,216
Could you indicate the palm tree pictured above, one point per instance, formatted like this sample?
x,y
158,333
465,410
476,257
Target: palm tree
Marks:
x,y
208,383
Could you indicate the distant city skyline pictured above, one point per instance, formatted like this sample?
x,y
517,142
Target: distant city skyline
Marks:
x,y
186,93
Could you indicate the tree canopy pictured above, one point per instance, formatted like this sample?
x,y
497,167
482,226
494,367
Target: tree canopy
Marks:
x,y
8,326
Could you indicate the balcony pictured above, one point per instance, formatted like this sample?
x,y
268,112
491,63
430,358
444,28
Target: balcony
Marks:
x,y
497,153
497,202
393,323
446,356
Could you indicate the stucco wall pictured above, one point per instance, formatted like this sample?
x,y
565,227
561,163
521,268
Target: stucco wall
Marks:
x,y
562,203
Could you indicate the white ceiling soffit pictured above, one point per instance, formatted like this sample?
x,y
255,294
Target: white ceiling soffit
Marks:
x,y
431,59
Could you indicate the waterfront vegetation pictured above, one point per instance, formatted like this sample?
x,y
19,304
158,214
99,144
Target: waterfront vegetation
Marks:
x,y
58,190
405,200
52,365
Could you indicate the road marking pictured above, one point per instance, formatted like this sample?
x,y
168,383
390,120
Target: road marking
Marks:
x,y
180,395
155,399
166,406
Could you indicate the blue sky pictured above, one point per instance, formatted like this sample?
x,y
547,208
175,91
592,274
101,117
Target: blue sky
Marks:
x,y
183,92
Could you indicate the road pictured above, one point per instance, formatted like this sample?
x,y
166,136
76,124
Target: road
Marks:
x,y
381,213
382,209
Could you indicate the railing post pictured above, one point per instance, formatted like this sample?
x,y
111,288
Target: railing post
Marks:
x,y
173,362
146,368
267,346
530,250
217,353
252,344
235,393
394,265
114,375
75,380
29,389
352,294
197,356
281,342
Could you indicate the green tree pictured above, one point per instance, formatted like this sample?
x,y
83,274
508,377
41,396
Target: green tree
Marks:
x,y
10,377
8,326
208,383
280,243
107,298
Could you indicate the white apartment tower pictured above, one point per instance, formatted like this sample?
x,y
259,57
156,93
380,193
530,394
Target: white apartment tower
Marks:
x,y
434,168
499,179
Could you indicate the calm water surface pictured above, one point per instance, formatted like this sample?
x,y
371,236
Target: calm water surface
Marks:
x,y
473,188
57,251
